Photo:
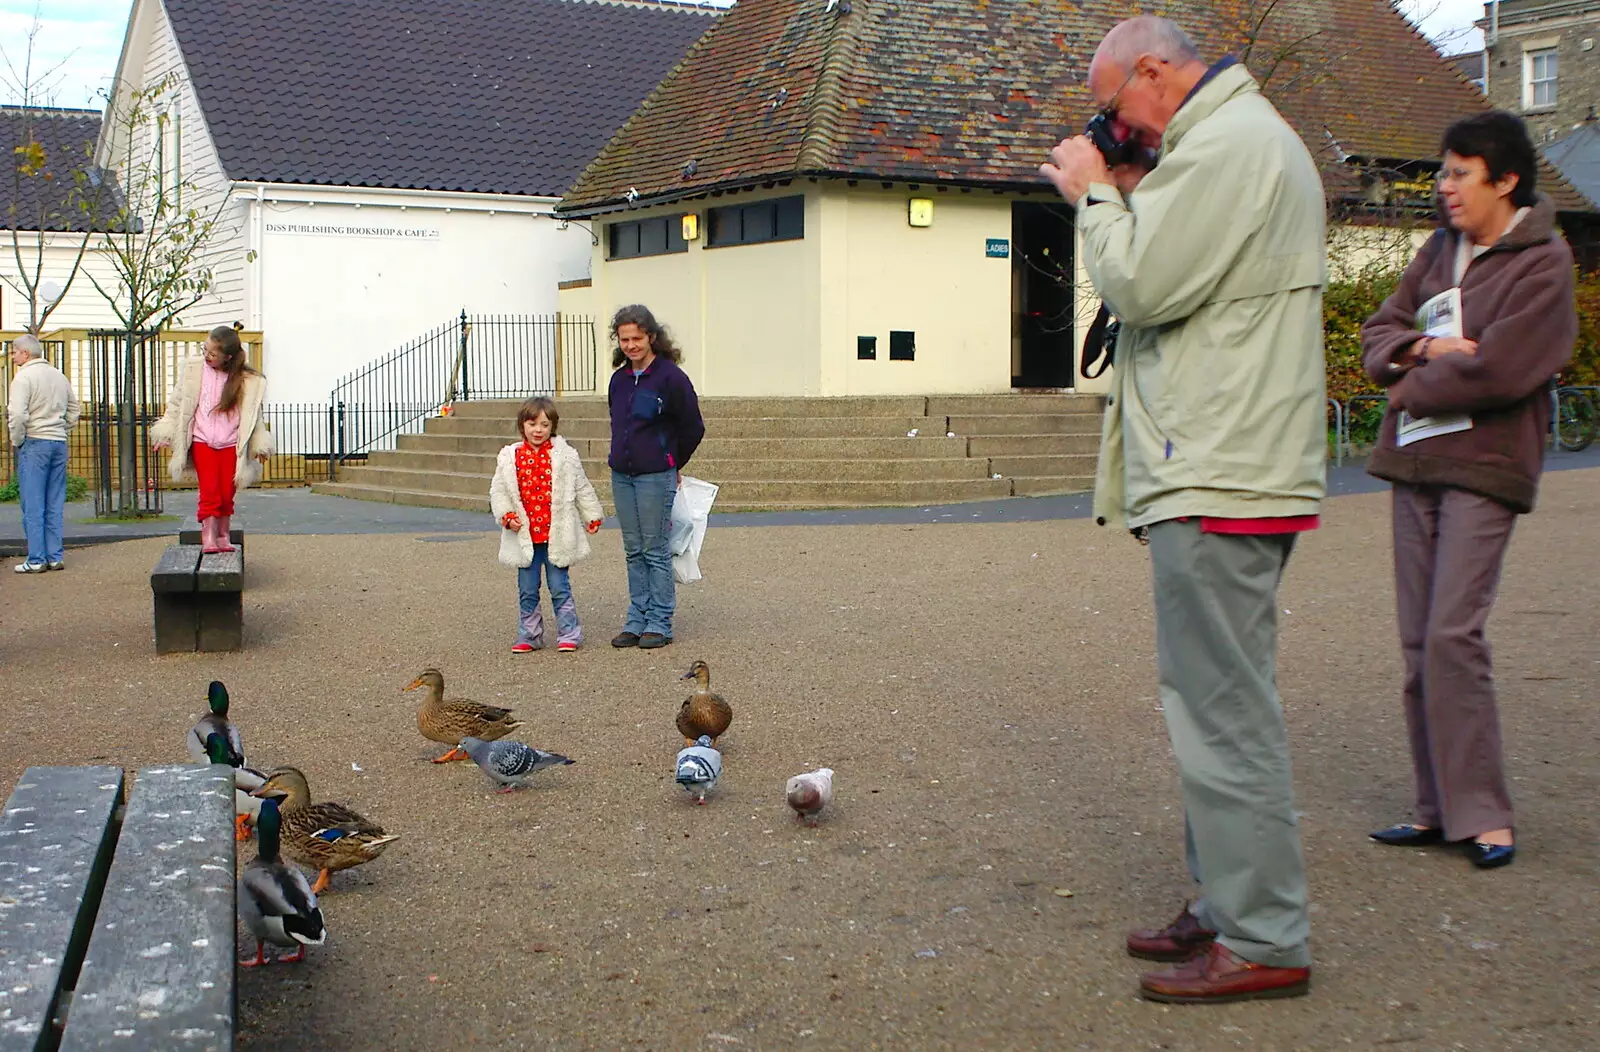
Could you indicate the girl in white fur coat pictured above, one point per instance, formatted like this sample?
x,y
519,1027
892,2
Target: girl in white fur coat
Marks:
x,y
216,430
544,504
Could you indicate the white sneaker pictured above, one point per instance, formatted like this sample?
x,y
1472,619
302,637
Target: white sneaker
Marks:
x,y
57,565
27,567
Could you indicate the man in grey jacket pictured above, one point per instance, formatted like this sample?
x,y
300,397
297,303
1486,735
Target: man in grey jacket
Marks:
x,y
1213,450
42,412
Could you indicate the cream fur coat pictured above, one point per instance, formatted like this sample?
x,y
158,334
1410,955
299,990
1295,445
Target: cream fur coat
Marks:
x,y
177,425
573,502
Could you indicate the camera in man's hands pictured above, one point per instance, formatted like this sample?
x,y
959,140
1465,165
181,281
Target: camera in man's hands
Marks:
x,y
1102,130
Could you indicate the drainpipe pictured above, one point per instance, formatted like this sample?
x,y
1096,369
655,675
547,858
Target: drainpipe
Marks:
x,y
1492,41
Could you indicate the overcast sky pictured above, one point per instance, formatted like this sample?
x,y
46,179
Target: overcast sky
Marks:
x,y
80,40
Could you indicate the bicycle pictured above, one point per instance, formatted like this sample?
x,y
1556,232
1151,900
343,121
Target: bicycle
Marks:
x,y
1576,420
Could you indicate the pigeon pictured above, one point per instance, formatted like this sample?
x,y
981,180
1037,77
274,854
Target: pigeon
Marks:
x,y
809,793
699,767
509,764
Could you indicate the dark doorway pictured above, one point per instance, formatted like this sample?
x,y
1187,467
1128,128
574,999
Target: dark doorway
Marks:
x,y
1043,272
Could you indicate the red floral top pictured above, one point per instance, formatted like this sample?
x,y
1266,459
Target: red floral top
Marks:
x,y
533,485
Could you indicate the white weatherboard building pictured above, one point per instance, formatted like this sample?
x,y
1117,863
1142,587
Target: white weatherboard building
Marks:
x,y
385,164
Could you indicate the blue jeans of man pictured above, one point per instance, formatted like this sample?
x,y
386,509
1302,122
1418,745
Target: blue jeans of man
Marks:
x,y
42,485
531,624
644,511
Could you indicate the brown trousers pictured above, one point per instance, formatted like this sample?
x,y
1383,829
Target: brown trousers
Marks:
x,y
1449,545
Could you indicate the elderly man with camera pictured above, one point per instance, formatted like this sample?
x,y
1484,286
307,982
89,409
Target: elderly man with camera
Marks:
x,y
1204,236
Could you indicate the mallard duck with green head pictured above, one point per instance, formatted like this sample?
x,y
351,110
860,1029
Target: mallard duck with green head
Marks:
x,y
216,724
276,903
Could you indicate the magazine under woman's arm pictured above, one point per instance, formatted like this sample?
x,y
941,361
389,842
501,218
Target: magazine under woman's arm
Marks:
x,y
1440,318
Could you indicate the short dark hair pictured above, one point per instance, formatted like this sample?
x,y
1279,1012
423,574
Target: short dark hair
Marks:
x,y
1502,140
533,407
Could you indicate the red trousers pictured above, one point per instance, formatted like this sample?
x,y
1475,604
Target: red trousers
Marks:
x,y
215,468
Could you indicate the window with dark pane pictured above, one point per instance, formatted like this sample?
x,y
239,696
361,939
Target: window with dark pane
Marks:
x,y
866,347
758,222
902,346
647,237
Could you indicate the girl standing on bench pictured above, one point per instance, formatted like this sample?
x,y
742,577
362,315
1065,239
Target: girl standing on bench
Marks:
x,y
214,427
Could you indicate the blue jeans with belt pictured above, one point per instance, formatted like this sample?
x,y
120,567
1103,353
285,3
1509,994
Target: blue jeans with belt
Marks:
x,y
644,511
42,485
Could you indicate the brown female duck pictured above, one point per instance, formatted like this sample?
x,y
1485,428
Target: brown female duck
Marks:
x,y
448,721
703,713
327,836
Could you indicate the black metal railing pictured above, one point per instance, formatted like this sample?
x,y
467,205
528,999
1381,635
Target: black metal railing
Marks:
x,y
127,394
472,357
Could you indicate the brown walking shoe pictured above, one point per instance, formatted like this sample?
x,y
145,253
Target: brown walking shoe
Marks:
x,y
1218,976
1178,941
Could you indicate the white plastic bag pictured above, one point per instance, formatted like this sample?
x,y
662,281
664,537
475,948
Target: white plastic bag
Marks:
x,y
690,510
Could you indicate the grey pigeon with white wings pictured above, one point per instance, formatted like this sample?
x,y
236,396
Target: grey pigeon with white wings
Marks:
x,y
510,764
699,767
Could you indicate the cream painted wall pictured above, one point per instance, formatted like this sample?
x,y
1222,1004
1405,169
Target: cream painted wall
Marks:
x,y
783,318
746,316
935,281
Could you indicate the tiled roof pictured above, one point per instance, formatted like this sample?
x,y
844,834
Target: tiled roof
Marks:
x,y
67,138
1469,64
974,92
490,96
1577,157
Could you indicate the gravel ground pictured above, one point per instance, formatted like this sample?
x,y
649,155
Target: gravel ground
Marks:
x,y
986,694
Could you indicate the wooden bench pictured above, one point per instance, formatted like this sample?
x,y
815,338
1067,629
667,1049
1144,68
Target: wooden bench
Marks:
x,y
117,924
198,600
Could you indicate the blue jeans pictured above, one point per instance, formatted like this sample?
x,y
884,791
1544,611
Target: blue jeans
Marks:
x,y
644,511
531,625
42,484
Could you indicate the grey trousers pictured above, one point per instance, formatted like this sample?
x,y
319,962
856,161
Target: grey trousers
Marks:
x,y
1216,647
1449,545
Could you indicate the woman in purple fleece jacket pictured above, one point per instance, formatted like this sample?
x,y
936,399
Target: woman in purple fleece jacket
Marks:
x,y
1463,444
655,429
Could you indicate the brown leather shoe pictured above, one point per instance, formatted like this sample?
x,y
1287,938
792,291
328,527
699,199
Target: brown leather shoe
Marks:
x,y
1178,941
1218,976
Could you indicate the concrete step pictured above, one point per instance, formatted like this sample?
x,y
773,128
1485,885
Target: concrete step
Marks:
x,y
925,446
821,491
717,470
1051,486
1026,424
1011,404
726,427
588,407
426,499
1077,466
1032,445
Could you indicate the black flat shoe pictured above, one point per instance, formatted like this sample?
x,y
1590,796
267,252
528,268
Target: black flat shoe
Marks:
x,y
1491,856
1407,835
625,639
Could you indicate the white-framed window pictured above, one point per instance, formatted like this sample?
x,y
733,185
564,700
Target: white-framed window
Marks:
x,y
1539,79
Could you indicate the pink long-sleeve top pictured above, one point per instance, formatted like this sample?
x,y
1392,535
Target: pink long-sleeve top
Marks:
x,y
215,429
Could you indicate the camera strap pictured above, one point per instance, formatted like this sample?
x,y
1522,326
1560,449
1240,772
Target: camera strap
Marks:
x,y
1100,346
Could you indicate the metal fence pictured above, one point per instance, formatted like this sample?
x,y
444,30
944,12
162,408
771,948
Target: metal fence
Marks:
x,y
127,394
472,357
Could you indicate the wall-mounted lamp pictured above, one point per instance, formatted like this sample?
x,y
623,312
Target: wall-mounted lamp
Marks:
x,y
920,211
691,227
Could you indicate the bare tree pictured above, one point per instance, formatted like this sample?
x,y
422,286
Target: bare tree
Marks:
x,y
56,198
161,252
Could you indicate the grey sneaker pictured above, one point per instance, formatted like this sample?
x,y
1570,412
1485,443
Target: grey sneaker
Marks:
x,y
27,567
57,565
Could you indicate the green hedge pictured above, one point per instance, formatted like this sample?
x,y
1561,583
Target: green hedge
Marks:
x,y
1346,305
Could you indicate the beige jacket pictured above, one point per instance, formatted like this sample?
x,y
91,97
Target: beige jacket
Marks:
x,y
177,425
573,502
1215,265
43,404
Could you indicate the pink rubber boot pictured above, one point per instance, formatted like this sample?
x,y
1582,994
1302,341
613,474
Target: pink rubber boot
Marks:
x,y
208,536
224,526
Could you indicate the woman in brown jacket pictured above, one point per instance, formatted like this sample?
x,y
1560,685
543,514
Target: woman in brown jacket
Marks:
x,y
1463,444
